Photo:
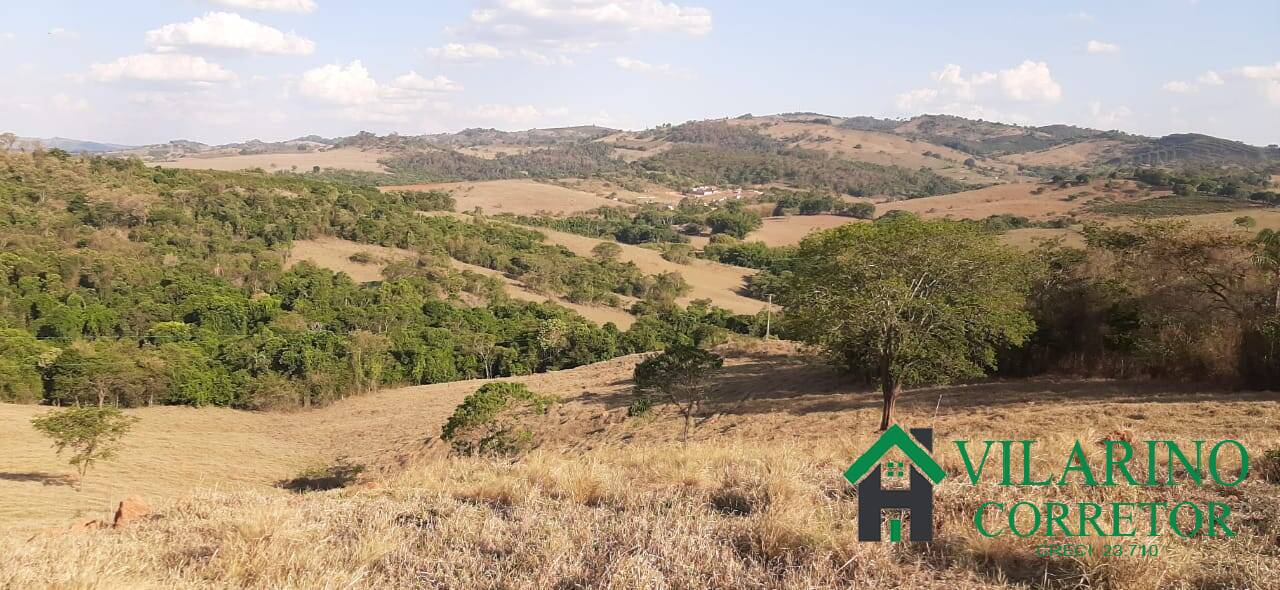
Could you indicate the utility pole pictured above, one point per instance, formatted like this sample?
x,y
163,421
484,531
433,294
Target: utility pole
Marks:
x,y
768,318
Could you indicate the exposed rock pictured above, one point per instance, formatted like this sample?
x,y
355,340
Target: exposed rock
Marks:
x,y
130,510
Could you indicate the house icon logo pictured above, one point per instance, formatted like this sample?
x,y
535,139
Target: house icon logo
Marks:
x,y
867,473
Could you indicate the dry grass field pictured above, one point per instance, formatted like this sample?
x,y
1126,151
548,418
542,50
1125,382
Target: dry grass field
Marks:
x,y
1081,153
755,499
342,158
720,283
335,254
1013,199
521,197
784,231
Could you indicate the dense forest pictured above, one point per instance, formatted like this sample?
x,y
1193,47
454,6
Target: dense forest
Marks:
x,y
132,285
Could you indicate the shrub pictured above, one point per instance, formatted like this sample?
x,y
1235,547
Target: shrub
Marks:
x,y
321,478
361,258
1268,466
491,420
678,253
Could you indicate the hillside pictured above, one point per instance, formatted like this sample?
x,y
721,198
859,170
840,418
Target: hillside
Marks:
x,y
755,499
1067,145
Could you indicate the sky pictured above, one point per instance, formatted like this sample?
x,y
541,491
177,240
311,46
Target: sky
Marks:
x,y
218,71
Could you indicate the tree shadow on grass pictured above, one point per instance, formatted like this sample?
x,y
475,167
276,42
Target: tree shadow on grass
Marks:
x,y
47,479
779,383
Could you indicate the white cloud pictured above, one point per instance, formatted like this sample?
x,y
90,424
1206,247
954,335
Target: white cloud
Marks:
x,y
61,33
300,6
346,85
542,59
413,81
358,96
465,52
64,102
1272,92
1270,72
591,17
544,32
1210,78
1081,16
970,95
955,83
227,30
153,67
1030,81
1108,118
7,36
643,67
1095,46
916,99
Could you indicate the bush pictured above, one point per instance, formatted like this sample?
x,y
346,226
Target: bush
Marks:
x,y
321,478
678,253
491,420
1268,466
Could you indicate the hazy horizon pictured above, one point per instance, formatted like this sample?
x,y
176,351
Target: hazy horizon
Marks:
x,y
222,71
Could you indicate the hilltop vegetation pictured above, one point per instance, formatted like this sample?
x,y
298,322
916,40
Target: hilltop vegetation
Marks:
x,y
130,285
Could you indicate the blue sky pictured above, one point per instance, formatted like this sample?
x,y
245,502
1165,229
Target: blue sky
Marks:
x,y
143,71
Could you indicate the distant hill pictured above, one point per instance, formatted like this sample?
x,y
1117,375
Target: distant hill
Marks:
x,y
992,139
75,146
969,151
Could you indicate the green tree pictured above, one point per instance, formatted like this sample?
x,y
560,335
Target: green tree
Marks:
x,y
734,220
606,251
908,302
680,376
92,434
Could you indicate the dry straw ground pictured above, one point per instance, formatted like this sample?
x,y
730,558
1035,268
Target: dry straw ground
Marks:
x,y
754,500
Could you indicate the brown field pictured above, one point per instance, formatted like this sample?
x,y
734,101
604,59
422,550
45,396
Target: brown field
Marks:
x,y
755,499
709,280
1012,199
334,254
784,231
649,193
521,197
342,158
1072,154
